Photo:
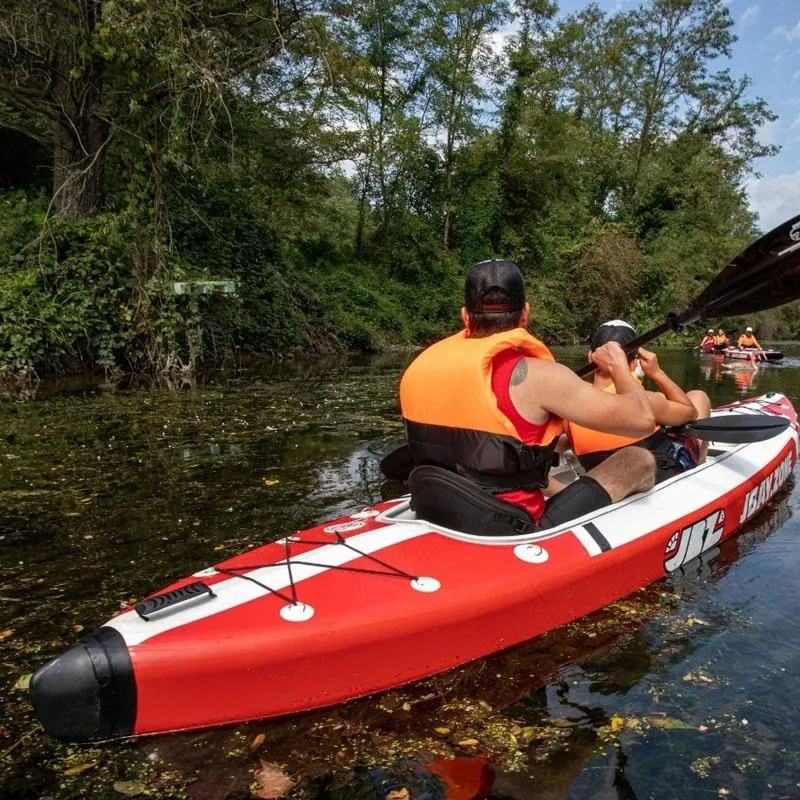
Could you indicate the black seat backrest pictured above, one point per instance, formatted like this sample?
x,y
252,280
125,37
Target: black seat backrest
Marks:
x,y
452,501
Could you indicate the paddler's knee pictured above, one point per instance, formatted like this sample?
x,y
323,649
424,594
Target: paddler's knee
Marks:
x,y
628,470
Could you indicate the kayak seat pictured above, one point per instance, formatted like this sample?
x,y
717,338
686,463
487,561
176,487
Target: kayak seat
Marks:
x,y
445,498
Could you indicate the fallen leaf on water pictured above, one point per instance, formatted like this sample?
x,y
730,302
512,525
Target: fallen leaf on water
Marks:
x,y
271,782
442,731
5,634
669,723
77,770
129,788
468,743
220,547
270,482
399,794
23,682
258,741
617,723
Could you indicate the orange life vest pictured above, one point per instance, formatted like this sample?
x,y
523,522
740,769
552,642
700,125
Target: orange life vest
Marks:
x,y
747,340
584,440
452,419
720,340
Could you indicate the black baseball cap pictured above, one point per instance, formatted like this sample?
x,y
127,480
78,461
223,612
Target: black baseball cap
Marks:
x,y
494,287
615,330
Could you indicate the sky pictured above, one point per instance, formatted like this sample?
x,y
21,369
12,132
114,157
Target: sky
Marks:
x,y
768,51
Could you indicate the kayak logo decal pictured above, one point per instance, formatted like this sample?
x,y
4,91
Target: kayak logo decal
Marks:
x,y
794,233
757,497
688,543
343,527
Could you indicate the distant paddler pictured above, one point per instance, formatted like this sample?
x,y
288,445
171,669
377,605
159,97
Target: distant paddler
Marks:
x,y
707,345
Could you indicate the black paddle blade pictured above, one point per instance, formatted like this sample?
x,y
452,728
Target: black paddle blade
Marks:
x,y
738,428
765,275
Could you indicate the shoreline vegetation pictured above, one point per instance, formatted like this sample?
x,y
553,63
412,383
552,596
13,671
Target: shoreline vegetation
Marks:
x,y
337,167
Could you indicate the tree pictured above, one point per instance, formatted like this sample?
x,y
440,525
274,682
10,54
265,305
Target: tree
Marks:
x,y
86,71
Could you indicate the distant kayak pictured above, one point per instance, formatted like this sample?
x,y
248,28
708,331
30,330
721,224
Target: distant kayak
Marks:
x,y
381,597
743,354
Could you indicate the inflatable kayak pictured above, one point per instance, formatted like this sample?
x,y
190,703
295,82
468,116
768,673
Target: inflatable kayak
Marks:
x,y
742,354
380,598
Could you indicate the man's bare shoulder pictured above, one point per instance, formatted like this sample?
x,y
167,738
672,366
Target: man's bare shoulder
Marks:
x,y
538,369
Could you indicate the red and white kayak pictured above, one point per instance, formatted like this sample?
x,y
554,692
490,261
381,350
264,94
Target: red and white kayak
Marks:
x,y
745,354
381,598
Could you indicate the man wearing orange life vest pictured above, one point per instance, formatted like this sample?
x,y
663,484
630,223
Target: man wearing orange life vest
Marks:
x,y
487,403
721,341
673,452
748,340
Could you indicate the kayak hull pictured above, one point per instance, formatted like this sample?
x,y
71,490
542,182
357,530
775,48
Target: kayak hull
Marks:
x,y
379,598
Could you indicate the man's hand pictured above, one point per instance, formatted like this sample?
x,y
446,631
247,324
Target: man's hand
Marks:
x,y
649,362
610,357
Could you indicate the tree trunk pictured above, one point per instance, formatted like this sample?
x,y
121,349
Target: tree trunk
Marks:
x,y
80,132
78,161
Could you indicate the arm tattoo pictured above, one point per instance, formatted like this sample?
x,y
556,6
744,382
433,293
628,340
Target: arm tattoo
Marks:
x,y
520,372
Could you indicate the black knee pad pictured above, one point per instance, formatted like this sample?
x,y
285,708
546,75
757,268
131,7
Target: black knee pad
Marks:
x,y
580,497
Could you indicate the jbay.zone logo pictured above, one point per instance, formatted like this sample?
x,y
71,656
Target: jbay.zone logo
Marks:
x,y
757,497
794,233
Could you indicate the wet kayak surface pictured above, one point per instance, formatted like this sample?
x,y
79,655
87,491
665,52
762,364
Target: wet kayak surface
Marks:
x,y
111,490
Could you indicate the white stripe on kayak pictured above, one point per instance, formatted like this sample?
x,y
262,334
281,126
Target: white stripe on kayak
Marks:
x,y
235,591
589,542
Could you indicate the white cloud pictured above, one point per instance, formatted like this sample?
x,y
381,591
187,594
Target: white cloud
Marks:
x,y
775,198
749,15
790,34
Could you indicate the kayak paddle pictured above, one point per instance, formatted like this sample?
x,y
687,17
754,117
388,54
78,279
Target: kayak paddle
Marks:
x,y
727,428
737,428
764,275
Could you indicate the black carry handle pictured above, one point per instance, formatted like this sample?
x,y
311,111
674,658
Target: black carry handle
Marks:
x,y
764,275
160,602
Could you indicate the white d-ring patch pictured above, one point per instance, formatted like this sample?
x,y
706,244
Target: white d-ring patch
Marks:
x,y
426,584
532,553
342,527
297,612
205,573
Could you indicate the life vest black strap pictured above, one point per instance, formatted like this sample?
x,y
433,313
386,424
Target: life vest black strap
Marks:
x,y
497,463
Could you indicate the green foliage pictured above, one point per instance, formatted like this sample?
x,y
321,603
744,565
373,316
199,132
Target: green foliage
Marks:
x,y
62,294
344,168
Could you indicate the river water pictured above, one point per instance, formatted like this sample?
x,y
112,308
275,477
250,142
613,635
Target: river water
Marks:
x,y
111,490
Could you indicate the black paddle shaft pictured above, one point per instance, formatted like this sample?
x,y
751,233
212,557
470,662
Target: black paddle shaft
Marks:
x,y
764,275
